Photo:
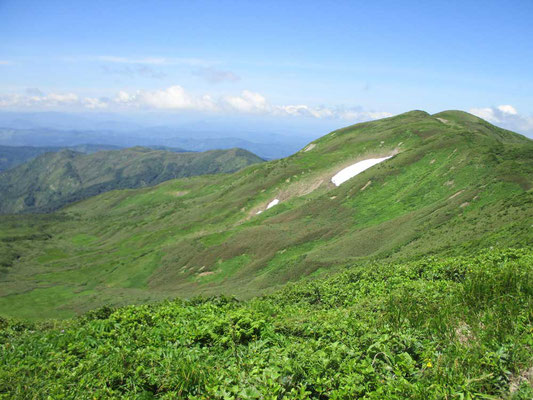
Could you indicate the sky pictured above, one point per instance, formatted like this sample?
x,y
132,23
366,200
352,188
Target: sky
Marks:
x,y
288,61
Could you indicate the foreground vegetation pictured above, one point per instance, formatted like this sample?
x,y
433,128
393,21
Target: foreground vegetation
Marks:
x,y
437,328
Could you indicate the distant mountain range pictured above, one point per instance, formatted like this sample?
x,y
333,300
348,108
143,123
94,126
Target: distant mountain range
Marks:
x,y
267,146
11,156
56,178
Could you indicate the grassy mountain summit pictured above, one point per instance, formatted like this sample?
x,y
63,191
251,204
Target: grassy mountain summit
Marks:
x,y
57,178
454,184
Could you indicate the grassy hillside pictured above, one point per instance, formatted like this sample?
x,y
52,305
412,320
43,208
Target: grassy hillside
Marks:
x,y
451,328
55,179
455,184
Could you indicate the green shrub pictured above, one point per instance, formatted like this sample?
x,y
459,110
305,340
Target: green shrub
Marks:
x,y
456,328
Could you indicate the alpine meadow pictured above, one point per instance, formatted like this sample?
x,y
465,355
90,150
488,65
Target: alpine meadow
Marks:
x,y
234,200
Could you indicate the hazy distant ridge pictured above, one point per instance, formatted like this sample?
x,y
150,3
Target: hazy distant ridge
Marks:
x,y
57,178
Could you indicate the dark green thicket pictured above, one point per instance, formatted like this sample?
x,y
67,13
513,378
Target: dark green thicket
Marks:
x,y
456,328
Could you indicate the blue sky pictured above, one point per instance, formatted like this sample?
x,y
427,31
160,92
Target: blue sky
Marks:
x,y
337,60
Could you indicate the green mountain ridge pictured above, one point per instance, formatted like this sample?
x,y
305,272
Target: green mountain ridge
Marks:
x,y
11,156
55,179
455,184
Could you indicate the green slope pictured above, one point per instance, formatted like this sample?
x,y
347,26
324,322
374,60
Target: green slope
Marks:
x,y
452,328
455,184
58,178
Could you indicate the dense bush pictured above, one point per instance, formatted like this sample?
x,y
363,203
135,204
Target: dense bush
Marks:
x,y
454,328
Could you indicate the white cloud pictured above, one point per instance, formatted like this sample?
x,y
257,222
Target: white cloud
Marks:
x,y
176,98
507,117
5,62
302,110
124,97
255,103
488,114
46,101
93,103
365,115
247,102
353,114
495,114
58,98
507,109
172,98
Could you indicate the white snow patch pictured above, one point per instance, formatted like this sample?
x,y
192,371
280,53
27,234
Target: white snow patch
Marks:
x,y
272,203
355,169
310,147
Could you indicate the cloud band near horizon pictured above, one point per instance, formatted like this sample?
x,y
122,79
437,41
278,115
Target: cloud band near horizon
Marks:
x,y
175,98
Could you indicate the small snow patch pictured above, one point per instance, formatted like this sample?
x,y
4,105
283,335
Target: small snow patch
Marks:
x,y
355,169
273,203
444,121
259,212
432,161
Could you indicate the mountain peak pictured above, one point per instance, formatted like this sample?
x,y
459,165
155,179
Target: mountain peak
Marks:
x,y
414,113
458,116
